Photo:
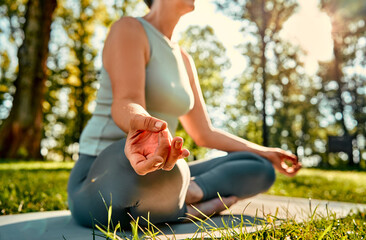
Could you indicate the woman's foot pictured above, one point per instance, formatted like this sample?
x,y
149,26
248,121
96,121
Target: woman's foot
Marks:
x,y
211,207
194,193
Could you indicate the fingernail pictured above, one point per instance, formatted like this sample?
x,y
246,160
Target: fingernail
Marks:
x,y
178,144
158,164
158,125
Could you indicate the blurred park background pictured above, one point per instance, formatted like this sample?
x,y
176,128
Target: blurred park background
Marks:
x,y
50,62
281,73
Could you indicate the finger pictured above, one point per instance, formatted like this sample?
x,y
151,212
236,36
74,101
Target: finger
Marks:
x,y
174,154
148,165
163,148
292,171
148,123
286,170
298,167
185,153
291,157
169,134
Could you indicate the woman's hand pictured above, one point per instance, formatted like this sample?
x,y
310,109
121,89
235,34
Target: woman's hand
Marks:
x,y
285,162
149,145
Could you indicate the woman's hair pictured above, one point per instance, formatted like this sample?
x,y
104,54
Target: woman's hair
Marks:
x,y
149,2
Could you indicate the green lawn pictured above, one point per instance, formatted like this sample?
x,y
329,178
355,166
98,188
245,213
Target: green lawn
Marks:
x,y
351,227
329,227
346,186
33,186
41,186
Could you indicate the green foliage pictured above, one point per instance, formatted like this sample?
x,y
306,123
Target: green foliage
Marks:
x,y
296,102
72,82
12,18
343,84
301,111
5,84
346,8
122,8
297,105
274,83
208,54
71,87
74,73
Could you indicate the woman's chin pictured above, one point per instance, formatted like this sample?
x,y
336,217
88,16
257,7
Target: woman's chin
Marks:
x,y
188,9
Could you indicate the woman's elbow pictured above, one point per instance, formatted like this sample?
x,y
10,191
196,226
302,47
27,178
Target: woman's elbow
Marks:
x,y
200,142
203,138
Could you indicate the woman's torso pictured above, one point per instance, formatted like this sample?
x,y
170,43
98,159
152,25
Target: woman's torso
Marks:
x,y
167,91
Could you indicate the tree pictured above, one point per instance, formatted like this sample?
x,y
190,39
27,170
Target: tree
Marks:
x,y
342,82
74,65
209,56
5,84
21,132
262,20
12,17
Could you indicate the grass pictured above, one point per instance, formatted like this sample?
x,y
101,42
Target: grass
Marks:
x,y
41,186
345,186
351,227
318,227
33,186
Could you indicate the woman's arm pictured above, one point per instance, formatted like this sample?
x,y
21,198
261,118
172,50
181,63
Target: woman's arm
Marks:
x,y
198,125
125,55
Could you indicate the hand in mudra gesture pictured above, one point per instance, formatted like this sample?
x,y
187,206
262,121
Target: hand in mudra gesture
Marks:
x,y
149,145
285,162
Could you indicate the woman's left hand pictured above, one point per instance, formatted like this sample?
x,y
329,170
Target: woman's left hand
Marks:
x,y
285,162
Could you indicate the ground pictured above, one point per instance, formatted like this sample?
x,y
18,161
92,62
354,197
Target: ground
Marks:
x,y
41,186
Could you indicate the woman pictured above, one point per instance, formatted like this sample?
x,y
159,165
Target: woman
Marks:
x,y
128,157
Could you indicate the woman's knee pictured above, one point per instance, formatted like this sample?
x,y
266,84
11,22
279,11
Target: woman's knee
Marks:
x,y
263,168
269,175
266,170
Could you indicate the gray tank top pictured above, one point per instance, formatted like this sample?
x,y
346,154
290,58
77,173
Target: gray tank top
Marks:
x,y
167,91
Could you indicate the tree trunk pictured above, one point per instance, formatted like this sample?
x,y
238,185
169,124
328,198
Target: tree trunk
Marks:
x,y
338,76
21,133
264,97
264,77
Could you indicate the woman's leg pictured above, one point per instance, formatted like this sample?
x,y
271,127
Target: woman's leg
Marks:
x,y
240,174
110,175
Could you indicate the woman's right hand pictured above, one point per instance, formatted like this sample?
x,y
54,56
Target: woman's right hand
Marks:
x,y
149,145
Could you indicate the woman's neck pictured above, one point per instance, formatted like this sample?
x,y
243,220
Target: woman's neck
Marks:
x,y
163,19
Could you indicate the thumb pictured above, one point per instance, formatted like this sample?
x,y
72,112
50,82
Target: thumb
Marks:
x,y
147,123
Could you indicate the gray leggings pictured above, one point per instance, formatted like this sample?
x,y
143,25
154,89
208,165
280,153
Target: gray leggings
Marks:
x,y
160,195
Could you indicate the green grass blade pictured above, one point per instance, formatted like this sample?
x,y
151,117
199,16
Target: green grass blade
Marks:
x,y
135,229
325,231
109,217
102,230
